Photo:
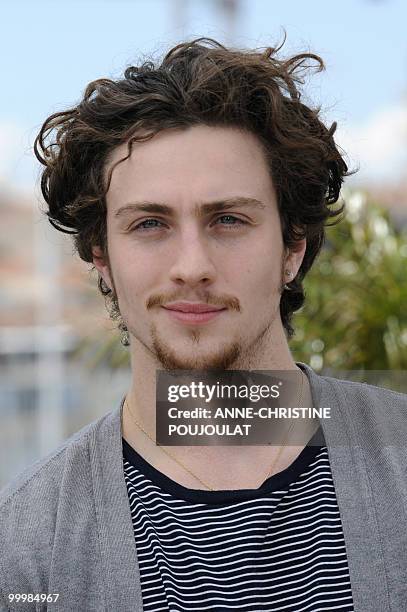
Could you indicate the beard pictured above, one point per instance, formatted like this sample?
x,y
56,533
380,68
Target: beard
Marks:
x,y
170,359
238,354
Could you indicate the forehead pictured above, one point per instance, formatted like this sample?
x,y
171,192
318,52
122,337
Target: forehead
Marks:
x,y
198,163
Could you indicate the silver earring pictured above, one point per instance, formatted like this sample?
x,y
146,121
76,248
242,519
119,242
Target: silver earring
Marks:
x,y
124,334
124,338
290,274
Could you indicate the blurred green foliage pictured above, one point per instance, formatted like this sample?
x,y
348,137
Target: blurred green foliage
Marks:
x,y
355,313
103,351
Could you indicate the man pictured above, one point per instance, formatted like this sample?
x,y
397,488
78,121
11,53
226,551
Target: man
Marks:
x,y
199,189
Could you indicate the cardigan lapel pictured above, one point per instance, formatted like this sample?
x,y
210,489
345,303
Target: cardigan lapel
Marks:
x,y
114,523
353,492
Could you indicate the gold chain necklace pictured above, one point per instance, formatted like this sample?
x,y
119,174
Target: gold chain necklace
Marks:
x,y
184,467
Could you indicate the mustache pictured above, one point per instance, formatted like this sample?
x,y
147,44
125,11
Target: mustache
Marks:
x,y
222,301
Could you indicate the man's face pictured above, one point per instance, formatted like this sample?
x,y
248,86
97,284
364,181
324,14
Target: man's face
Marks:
x,y
230,257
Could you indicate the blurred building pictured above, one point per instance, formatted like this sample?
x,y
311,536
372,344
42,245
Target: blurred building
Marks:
x,y
49,308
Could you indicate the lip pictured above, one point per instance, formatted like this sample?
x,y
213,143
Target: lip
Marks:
x,y
194,317
192,307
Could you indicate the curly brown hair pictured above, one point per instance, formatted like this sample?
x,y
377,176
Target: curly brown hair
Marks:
x,y
197,83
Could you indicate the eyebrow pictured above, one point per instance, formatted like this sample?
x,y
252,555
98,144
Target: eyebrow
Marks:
x,y
199,211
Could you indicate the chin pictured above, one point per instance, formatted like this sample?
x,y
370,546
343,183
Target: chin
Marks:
x,y
195,358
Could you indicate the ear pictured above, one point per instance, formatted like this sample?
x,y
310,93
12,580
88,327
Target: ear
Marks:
x,y
294,257
101,264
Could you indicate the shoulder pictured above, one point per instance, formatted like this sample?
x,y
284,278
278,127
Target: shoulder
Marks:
x,y
32,504
339,390
369,388
377,413
367,394
45,472
371,414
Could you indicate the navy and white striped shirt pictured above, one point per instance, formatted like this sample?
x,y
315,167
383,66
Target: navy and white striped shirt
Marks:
x,y
278,547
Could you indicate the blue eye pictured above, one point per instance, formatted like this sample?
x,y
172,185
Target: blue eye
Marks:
x,y
240,221
144,228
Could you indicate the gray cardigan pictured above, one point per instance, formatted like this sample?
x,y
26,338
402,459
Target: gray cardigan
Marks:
x,y
65,523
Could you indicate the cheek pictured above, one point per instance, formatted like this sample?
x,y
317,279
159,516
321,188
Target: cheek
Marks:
x,y
253,282
263,281
264,266
255,265
135,277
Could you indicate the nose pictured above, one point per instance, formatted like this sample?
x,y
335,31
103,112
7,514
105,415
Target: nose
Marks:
x,y
192,262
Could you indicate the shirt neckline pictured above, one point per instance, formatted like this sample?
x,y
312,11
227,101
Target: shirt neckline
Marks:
x,y
273,483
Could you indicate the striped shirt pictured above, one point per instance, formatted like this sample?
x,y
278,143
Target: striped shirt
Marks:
x,y
278,547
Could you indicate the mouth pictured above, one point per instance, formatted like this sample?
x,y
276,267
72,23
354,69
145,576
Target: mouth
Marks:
x,y
193,313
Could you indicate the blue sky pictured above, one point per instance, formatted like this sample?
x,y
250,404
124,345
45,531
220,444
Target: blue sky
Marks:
x,y
50,50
